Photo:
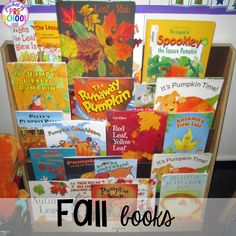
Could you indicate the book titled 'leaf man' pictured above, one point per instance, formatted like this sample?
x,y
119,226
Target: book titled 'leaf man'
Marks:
x,y
96,37
176,48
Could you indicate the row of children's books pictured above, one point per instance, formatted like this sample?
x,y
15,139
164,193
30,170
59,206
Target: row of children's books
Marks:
x,y
98,38
181,194
94,103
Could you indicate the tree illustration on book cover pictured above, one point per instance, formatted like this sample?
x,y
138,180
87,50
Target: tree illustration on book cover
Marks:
x,y
96,37
135,134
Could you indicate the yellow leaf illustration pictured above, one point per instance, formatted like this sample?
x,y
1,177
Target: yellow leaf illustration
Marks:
x,y
149,120
90,21
86,10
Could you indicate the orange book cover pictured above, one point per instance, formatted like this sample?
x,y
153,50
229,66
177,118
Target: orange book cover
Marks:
x,y
40,86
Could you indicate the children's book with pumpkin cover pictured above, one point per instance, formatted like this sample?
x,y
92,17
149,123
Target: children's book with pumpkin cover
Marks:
x,y
96,37
187,132
116,196
176,48
146,192
80,167
121,168
88,137
30,127
47,37
48,163
187,94
182,195
135,134
178,164
81,188
95,96
40,86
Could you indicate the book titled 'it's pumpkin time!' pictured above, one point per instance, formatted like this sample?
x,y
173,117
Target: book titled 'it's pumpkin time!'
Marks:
x,y
96,37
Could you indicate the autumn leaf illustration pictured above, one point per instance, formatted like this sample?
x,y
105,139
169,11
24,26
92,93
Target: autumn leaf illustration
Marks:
x,y
149,120
116,70
69,16
89,19
113,37
58,188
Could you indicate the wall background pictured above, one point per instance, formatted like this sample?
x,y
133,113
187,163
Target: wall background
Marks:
x,y
224,33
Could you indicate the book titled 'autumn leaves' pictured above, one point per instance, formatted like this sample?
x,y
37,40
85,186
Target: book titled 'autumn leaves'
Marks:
x,y
96,37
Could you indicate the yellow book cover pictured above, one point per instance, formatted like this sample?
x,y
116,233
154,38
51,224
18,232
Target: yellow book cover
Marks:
x,y
176,48
47,38
40,86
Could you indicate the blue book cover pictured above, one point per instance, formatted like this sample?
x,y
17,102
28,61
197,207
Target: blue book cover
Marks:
x,y
48,163
187,132
36,119
88,137
121,168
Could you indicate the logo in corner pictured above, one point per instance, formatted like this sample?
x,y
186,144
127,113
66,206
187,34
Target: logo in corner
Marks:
x,y
15,14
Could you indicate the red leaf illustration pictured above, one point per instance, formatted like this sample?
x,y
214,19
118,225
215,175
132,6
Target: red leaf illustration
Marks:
x,y
69,16
58,187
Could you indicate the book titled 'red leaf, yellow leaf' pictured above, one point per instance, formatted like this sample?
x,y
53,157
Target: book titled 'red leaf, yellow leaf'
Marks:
x,y
176,48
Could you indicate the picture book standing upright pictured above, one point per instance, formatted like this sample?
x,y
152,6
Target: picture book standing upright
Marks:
x,y
40,86
30,127
176,48
96,37
88,137
187,94
187,132
96,96
135,134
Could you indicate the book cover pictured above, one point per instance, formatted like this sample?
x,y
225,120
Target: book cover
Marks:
x,y
146,192
30,126
176,48
177,164
116,196
40,86
182,195
48,163
25,43
121,168
95,96
82,167
187,132
81,188
187,94
103,33
48,42
135,134
144,95
114,191
88,137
